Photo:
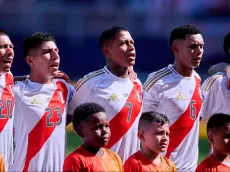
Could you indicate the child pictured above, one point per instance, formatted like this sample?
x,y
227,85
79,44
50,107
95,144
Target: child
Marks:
x,y
218,130
91,124
153,132
2,166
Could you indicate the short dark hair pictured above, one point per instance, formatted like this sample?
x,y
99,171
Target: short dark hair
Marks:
x,y
3,32
83,111
226,44
35,41
149,117
180,32
109,34
218,120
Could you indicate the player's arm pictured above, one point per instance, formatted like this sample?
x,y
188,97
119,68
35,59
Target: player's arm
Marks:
x,y
213,96
21,78
151,95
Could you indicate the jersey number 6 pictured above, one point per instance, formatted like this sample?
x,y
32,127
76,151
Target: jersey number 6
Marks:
x,y
192,109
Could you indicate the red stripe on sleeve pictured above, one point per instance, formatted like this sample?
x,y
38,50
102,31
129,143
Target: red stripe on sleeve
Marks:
x,y
122,122
41,132
7,101
180,128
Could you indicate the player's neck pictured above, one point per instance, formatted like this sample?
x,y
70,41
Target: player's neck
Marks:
x,y
117,70
220,156
152,156
93,150
183,70
34,77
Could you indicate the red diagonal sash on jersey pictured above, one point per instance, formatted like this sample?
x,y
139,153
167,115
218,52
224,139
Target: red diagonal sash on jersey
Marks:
x,y
7,95
180,128
40,133
122,122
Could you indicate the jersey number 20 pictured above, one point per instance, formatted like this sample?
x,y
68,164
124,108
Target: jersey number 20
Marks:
x,y
9,109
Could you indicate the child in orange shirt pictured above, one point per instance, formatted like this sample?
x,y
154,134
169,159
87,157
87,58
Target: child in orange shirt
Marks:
x,y
2,166
153,132
218,130
91,124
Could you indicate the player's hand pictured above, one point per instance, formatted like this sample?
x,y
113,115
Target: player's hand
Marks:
x,y
62,75
132,74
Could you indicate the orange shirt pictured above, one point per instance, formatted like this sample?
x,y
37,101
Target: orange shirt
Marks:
x,y
2,166
82,160
209,164
139,163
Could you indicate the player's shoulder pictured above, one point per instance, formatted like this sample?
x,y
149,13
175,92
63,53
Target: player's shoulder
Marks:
x,y
215,79
159,77
90,79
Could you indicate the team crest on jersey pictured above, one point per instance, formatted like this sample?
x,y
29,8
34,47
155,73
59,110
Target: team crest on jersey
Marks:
x,y
60,97
138,96
10,89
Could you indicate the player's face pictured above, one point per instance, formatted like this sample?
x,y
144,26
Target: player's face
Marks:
x,y
190,51
156,138
121,50
96,130
46,58
6,53
221,140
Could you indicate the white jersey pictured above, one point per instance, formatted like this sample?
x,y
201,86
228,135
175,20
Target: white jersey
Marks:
x,y
216,95
179,98
122,100
6,118
40,120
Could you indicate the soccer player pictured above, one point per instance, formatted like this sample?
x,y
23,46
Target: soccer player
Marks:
x,y
41,109
6,99
2,164
92,125
175,91
153,131
218,130
112,88
215,89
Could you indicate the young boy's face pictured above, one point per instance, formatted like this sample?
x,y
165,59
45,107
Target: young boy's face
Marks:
x,y
220,138
95,130
156,137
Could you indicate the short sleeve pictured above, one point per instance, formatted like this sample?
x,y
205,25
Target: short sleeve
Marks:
x,y
72,164
213,96
151,95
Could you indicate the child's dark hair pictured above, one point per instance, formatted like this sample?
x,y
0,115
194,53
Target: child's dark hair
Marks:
x,y
3,32
149,117
218,120
36,40
110,34
226,45
83,111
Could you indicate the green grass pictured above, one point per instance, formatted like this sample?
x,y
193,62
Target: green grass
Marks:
x,y
73,141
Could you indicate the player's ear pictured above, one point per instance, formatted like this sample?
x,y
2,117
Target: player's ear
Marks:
x,y
29,60
174,48
79,131
105,50
141,136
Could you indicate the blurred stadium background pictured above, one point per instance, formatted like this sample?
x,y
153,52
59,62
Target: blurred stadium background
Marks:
x,y
77,24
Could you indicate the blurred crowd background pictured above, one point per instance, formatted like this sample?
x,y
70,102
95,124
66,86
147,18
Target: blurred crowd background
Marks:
x,y
76,24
